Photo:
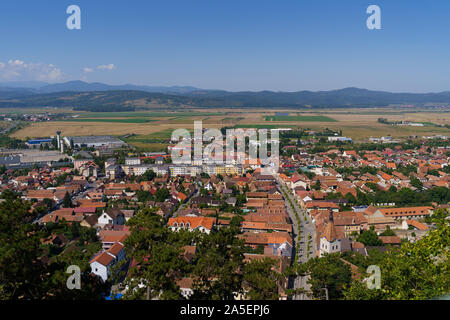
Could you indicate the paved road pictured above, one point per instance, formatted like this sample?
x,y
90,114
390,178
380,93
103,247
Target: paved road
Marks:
x,y
300,242
186,203
6,130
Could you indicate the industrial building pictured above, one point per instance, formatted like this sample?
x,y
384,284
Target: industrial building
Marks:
x,y
36,142
19,159
94,141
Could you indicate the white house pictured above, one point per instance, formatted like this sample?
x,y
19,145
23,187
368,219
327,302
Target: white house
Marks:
x,y
202,224
185,285
111,216
101,264
296,181
329,243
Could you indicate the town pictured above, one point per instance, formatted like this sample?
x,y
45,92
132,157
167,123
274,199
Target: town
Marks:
x,y
141,226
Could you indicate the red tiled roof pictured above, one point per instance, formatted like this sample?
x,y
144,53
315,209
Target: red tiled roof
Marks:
x,y
398,212
390,239
417,225
104,258
116,248
194,222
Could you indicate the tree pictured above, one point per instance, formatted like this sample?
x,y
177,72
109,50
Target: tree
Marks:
x,y
19,248
416,271
148,175
416,183
67,201
439,215
309,174
162,194
369,238
204,192
156,255
392,189
372,186
218,265
388,232
317,185
25,270
327,273
261,280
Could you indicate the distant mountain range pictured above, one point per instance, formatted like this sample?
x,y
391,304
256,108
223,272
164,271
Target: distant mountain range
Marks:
x,y
81,86
103,97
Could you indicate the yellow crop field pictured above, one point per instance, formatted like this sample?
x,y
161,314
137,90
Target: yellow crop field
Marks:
x,y
355,123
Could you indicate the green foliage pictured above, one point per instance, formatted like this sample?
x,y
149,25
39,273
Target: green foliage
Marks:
x,y
369,238
216,272
388,232
416,183
440,215
156,256
416,271
404,197
328,272
373,186
26,272
11,143
67,201
144,196
316,186
261,280
148,175
162,194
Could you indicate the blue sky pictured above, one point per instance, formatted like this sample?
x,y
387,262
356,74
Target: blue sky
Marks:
x,y
286,45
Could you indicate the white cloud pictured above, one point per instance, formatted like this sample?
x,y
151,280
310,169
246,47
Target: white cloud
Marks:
x,y
106,67
22,71
88,70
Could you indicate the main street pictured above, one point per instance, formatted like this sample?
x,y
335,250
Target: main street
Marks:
x,y
307,231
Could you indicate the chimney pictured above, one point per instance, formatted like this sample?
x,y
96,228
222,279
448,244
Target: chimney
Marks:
x,y
58,139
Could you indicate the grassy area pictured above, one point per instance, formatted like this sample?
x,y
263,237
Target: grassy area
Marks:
x,y
146,114
356,126
300,118
128,120
155,137
150,147
262,126
157,141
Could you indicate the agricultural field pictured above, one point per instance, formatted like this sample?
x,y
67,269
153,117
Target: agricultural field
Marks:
x,y
150,128
140,114
263,126
300,118
113,120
